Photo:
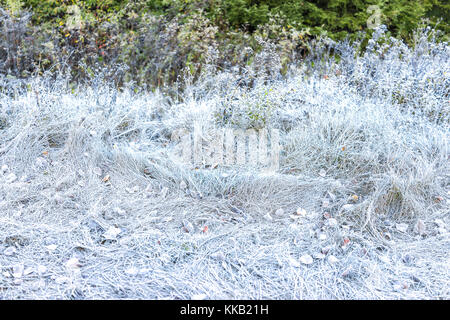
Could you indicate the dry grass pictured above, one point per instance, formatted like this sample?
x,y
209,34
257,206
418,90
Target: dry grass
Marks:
x,y
78,165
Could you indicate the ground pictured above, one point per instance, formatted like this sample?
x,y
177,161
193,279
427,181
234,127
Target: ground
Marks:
x,y
94,206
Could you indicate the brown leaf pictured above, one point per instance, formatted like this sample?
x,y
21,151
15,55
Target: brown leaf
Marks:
x,y
300,212
306,259
420,227
73,264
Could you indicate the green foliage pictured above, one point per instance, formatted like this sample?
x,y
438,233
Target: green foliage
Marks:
x,y
158,40
335,17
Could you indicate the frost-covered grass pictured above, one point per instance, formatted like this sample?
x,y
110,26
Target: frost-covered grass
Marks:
x,y
93,207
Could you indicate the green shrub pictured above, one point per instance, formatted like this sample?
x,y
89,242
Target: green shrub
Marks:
x,y
156,41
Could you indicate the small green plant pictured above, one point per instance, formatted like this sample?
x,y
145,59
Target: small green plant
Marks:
x,y
14,6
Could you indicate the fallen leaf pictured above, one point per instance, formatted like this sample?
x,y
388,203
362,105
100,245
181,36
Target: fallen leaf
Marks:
x,y
402,227
73,264
18,271
301,212
205,229
97,171
28,271
306,259
120,211
132,271
384,259
41,269
400,286
61,280
326,249
294,262
355,197
38,284
40,162
4,168
347,207
9,251
10,178
332,259
106,178
347,272
188,227
16,240
218,256
420,227
132,190
58,198
331,222
112,233
51,247
346,241
318,255
148,188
